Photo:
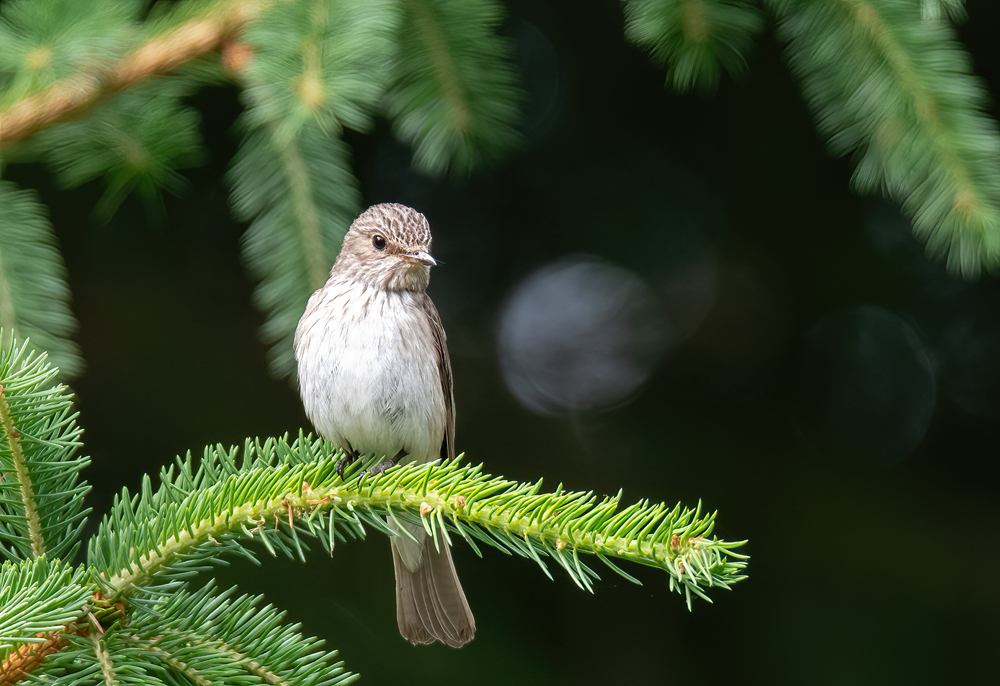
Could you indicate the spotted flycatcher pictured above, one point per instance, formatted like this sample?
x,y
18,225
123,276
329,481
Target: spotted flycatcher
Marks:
x,y
375,377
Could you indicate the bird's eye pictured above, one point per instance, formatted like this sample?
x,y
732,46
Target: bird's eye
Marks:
x,y
378,242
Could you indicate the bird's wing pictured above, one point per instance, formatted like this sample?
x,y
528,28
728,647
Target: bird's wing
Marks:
x,y
444,369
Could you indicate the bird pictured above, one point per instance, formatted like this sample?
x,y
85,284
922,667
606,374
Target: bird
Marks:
x,y
375,378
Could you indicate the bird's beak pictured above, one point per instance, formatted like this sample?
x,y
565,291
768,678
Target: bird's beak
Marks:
x,y
423,258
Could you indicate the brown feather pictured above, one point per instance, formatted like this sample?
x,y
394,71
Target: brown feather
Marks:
x,y
444,367
430,603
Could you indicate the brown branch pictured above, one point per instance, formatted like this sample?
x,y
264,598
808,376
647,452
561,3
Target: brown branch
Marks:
x,y
100,613
160,55
29,656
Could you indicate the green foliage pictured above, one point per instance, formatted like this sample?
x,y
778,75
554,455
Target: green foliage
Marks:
x,y
886,79
283,493
310,68
894,89
222,640
888,83
300,197
34,296
317,67
696,38
454,95
41,494
940,9
44,42
129,615
38,596
319,61
136,141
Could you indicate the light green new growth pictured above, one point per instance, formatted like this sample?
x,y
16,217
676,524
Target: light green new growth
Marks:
x,y
280,493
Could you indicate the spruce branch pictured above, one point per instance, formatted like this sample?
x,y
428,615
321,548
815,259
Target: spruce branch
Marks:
x,y
300,196
951,10
282,493
320,62
41,495
23,479
37,597
29,656
129,615
43,42
454,95
697,39
315,67
135,141
205,29
34,295
104,660
215,638
895,89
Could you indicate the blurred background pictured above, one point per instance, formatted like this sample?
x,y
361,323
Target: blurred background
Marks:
x,y
674,295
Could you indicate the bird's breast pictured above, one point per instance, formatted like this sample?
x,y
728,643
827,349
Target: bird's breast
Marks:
x,y
369,372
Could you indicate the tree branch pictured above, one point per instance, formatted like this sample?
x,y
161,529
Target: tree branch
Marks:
x,y
29,656
161,55
23,477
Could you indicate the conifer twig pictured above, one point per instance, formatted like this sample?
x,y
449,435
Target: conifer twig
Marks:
x,y
162,54
29,656
23,477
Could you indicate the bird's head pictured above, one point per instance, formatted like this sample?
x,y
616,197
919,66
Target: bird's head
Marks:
x,y
388,247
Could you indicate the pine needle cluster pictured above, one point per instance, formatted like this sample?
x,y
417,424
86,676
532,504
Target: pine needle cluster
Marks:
x,y
134,612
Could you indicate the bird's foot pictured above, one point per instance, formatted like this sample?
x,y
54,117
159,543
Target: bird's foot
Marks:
x,y
349,458
381,467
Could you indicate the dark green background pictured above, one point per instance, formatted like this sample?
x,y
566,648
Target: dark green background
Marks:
x,y
871,564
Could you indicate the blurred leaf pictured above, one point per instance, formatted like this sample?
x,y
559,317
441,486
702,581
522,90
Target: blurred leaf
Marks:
x,y
34,296
896,91
697,39
455,95
301,197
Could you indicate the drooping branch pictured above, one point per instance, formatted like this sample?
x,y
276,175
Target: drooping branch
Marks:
x,y
162,54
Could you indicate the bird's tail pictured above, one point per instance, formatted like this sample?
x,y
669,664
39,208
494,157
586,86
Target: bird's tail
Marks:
x,y
430,603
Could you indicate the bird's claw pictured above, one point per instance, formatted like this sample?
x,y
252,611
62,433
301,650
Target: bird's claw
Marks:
x,y
381,467
346,460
